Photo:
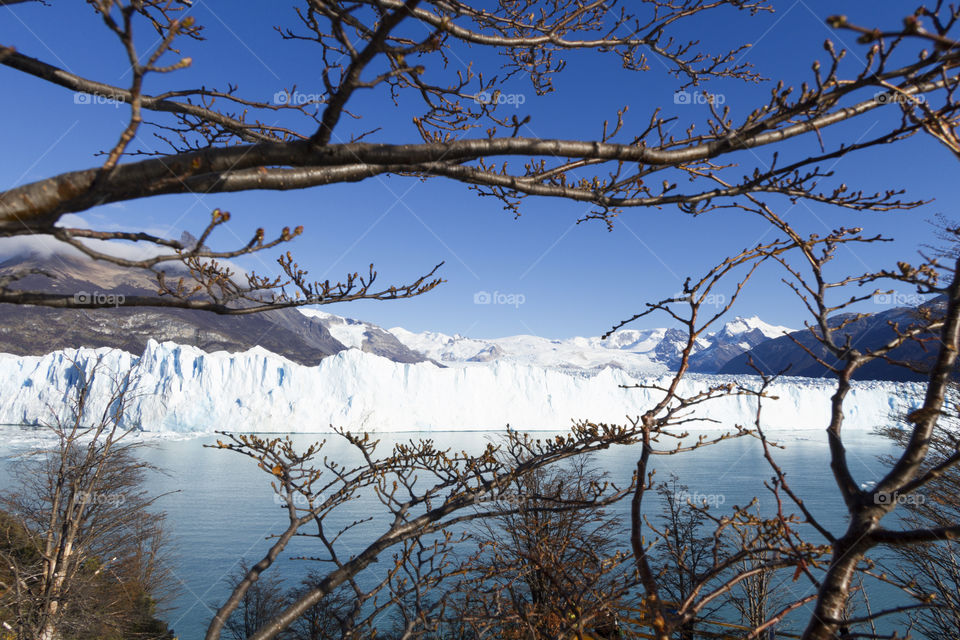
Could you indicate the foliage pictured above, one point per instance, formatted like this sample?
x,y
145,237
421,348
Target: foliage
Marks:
x,y
83,552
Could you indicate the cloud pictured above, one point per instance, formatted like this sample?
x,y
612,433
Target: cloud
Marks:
x,y
44,246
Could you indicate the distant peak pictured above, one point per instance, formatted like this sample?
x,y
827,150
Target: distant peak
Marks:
x,y
188,240
742,324
317,313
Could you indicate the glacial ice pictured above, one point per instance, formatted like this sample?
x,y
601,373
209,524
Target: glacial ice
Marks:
x,y
183,389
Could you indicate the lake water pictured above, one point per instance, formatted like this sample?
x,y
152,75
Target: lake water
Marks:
x,y
223,508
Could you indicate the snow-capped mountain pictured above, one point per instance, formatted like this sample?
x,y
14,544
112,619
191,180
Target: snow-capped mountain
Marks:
x,y
357,334
308,335
649,351
634,353
736,337
185,389
773,356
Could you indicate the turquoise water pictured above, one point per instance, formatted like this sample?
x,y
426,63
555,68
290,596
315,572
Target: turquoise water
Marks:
x,y
223,509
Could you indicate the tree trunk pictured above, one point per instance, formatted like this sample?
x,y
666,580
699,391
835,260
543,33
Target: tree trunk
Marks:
x,y
832,598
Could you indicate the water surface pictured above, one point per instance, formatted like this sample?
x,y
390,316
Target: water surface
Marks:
x,y
221,508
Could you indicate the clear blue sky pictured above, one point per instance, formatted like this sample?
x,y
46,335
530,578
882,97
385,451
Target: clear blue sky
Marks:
x,y
574,279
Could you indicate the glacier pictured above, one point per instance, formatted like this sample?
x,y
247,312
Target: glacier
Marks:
x,y
184,389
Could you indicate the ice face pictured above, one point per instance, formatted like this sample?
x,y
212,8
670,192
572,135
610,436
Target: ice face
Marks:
x,y
181,388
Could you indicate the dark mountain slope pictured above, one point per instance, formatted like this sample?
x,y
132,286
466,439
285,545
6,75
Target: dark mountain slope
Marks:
x,y
774,355
38,330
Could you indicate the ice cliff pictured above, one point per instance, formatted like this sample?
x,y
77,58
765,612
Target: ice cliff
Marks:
x,y
181,388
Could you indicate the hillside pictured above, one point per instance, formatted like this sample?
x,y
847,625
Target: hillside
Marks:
x,y
26,330
775,355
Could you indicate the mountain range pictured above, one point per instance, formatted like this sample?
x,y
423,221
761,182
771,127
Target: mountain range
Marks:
x,y
784,354
649,351
308,335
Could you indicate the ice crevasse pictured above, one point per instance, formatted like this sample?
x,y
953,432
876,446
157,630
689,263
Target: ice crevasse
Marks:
x,y
184,389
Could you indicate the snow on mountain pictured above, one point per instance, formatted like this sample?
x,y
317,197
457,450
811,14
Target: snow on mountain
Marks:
x,y
867,333
346,330
736,337
641,351
634,351
183,389
356,334
740,325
